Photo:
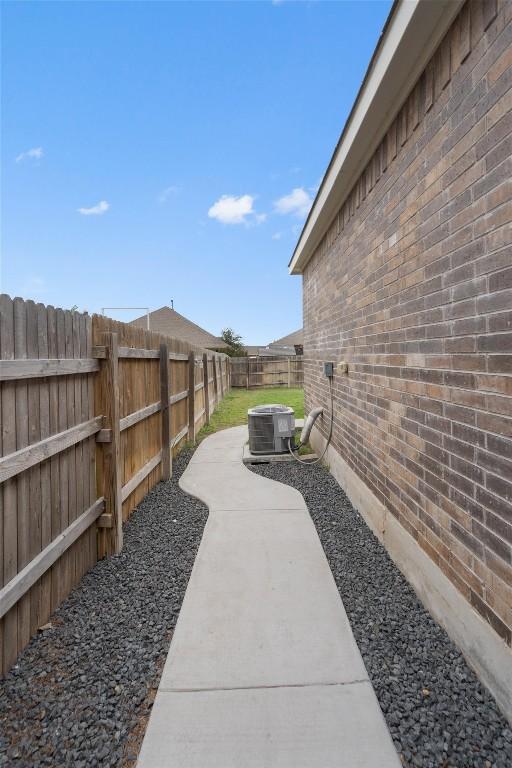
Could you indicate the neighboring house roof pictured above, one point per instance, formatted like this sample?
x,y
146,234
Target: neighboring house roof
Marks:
x,y
277,350
297,337
412,33
168,322
272,350
279,347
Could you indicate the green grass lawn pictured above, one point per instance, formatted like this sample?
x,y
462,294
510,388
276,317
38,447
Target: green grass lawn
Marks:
x,y
232,411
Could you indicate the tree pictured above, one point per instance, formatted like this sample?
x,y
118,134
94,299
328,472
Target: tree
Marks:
x,y
234,342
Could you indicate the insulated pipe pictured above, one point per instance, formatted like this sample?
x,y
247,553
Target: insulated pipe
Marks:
x,y
308,425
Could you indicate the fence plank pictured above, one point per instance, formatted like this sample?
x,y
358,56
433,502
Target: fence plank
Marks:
x,y
54,461
18,586
165,412
79,486
93,538
64,459
34,475
20,351
70,420
221,380
112,459
206,380
215,380
82,478
44,412
9,488
1,535
55,571
191,396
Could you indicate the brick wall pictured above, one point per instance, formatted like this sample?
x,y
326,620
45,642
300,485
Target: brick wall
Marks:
x,y
412,284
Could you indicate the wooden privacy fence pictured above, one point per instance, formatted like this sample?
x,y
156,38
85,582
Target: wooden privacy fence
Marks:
x,y
249,372
91,412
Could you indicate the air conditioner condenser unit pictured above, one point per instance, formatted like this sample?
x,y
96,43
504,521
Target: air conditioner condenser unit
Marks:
x,y
270,428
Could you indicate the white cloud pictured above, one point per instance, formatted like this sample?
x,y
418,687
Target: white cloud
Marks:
x,y
297,203
96,210
277,235
36,154
235,210
166,193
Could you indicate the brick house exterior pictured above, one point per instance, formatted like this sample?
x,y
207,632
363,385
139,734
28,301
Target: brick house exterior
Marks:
x,y
408,278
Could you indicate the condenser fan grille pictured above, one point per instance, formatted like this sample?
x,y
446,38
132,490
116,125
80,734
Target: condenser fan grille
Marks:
x,y
270,409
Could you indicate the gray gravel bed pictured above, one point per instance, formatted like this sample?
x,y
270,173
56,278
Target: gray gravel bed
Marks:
x,y
81,691
438,714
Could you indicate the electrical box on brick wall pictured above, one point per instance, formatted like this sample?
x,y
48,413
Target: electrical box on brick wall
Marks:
x,y
329,370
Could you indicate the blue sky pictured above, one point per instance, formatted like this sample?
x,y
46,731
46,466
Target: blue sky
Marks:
x,y
157,150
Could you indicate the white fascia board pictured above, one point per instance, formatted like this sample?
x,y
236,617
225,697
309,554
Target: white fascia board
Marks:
x,y
411,38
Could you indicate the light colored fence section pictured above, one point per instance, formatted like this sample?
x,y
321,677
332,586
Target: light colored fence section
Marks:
x,y
151,391
250,372
47,465
91,412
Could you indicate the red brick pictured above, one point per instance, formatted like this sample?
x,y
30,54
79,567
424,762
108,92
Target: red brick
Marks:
x,y
414,288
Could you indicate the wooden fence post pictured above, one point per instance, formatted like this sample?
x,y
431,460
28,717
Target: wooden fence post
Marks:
x,y
247,373
112,453
165,412
289,372
206,389
191,397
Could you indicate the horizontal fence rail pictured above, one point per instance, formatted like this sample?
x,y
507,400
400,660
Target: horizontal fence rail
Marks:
x,y
91,412
251,372
17,462
14,370
26,578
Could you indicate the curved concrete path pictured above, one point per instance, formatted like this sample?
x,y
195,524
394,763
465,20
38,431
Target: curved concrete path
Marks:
x,y
263,669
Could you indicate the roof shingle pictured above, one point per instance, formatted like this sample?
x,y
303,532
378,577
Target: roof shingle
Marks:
x,y
170,323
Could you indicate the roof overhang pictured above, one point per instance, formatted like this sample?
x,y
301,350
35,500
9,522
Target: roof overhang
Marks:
x,y
410,37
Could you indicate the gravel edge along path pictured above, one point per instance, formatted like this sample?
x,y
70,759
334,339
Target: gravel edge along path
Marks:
x,y
81,692
438,713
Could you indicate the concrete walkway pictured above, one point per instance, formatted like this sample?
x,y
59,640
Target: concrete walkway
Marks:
x,y
263,669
